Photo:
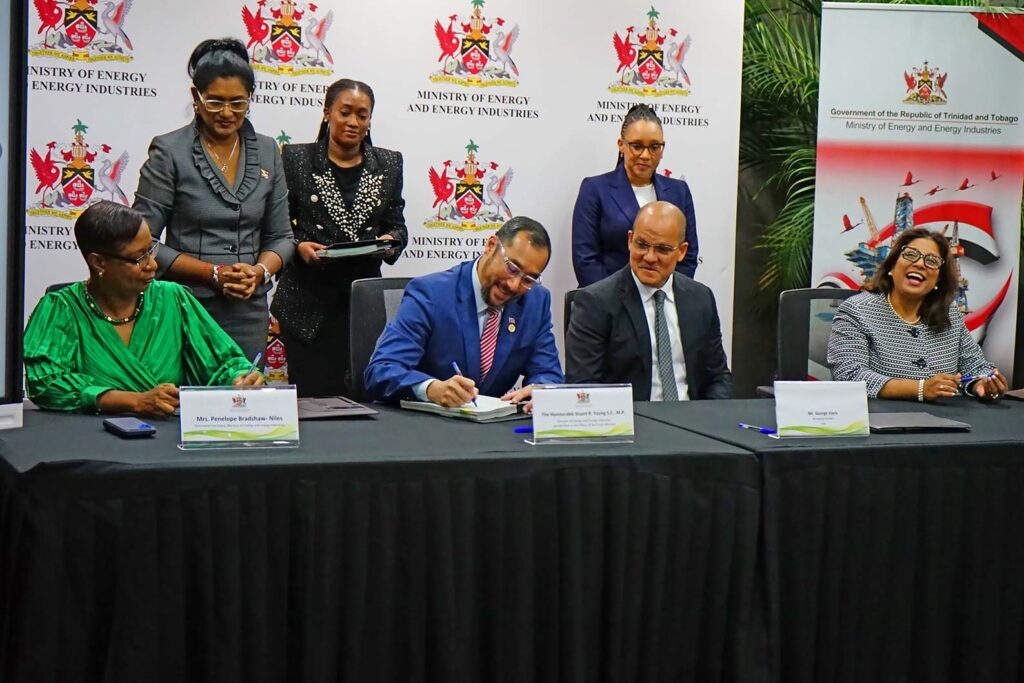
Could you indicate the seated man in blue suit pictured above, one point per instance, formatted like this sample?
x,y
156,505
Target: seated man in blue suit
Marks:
x,y
473,329
648,324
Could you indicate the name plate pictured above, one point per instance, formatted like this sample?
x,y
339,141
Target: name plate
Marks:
x,y
583,413
821,409
239,417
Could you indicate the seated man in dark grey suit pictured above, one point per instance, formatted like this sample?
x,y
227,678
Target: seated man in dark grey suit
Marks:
x,y
647,324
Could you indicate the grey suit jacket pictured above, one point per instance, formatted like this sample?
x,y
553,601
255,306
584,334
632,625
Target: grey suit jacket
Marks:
x,y
609,343
182,192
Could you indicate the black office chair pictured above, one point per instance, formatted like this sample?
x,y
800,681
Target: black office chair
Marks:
x,y
804,323
58,286
570,297
374,304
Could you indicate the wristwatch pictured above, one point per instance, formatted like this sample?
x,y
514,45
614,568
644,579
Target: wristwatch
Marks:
x,y
266,273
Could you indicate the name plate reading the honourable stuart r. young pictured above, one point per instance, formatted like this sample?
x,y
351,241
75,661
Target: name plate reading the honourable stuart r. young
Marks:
x,y
582,413
239,417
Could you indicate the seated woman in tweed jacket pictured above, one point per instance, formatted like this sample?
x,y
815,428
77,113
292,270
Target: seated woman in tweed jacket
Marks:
x,y
904,337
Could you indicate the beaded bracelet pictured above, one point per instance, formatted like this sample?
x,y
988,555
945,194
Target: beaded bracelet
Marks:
x,y
920,391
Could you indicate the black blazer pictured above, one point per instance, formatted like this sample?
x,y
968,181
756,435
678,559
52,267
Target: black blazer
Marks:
x,y
306,295
609,343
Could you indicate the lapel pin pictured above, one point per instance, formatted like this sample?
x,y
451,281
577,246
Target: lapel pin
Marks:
x,y
264,173
511,324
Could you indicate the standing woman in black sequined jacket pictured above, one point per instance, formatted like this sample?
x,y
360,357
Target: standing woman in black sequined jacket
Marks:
x,y
341,189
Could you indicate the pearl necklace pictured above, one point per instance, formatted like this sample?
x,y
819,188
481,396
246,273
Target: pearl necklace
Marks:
x,y
95,308
222,165
909,322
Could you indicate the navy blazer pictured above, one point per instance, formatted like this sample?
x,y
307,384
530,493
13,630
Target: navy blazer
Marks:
x,y
605,210
609,341
437,323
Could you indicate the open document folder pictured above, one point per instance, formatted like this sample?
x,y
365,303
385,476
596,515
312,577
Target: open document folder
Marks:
x,y
487,409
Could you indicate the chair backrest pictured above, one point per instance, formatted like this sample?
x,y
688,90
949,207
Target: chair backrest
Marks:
x,y
805,321
570,296
374,304
58,286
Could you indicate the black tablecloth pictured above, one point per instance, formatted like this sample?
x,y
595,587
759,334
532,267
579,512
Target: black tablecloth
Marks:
x,y
888,558
403,548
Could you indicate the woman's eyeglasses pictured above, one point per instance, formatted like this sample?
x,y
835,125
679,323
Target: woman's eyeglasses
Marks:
x,y
150,253
655,148
931,261
239,106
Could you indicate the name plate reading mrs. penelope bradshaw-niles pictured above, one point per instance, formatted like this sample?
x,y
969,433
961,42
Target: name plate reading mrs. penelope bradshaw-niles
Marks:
x,y
239,417
582,413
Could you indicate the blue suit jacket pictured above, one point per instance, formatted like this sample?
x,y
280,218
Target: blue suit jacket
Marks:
x,y
437,324
604,213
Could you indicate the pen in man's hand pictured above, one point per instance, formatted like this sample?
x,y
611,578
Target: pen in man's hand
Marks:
x,y
455,367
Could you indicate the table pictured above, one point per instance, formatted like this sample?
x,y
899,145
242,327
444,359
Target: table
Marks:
x,y
402,548
887,558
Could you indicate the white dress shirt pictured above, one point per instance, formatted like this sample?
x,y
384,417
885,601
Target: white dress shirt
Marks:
x,y
672,320
420,390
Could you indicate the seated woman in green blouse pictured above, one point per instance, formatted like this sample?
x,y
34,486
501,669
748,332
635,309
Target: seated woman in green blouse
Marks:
x,y
121,342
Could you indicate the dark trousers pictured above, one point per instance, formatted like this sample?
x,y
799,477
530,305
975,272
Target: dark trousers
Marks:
x,y
320,366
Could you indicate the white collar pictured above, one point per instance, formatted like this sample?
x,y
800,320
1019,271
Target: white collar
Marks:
x,y
646,291
481,305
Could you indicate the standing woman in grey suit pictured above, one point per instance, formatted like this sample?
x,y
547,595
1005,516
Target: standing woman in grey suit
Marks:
x,y
341,189
219,190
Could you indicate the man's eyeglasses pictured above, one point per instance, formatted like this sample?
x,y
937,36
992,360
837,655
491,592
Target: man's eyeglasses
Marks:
x,y
931,261
515,271
660,249
239,106
150,253
655,148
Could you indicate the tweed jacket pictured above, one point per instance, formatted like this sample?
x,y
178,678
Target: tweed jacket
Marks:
x,y
307,294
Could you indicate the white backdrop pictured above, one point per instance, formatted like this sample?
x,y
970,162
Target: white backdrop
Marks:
x,y
551,125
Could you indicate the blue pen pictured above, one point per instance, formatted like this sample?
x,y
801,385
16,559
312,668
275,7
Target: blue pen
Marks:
x,y
970,378
763,430
255,363
523,430
455,367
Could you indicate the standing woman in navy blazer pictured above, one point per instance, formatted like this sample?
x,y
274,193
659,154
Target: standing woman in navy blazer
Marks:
x,y
608,203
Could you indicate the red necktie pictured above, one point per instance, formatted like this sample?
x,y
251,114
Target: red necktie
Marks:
x,y
489,340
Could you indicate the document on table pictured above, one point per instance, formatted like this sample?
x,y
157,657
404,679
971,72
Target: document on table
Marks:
x,y
487,409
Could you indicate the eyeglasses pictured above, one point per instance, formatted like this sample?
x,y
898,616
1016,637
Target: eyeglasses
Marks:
x,y
239,106
150,253
660,249
655,148
931,261
517,272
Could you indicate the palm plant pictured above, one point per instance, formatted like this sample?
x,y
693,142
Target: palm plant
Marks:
x,y
779,125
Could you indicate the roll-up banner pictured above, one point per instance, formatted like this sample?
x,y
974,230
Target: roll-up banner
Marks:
x,y
918,126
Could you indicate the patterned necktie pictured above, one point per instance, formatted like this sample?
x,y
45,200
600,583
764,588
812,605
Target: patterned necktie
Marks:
x,y
489,340
664,347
